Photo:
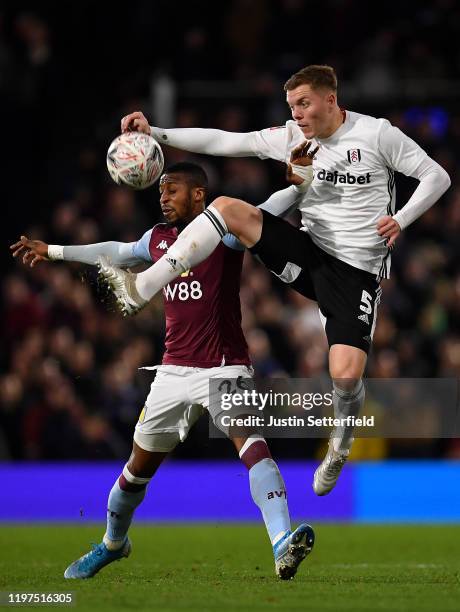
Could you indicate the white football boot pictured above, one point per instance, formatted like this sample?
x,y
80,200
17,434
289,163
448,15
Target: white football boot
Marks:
x,y
122,283
328,472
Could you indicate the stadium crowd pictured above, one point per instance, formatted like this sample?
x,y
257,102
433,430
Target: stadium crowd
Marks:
x,y
70,384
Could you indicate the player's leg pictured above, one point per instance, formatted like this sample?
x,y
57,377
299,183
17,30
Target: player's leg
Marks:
x,y
346,366
350,298
281,243
194,244
157,433
243,220
269,493
129,489
126,495
266,484
199,239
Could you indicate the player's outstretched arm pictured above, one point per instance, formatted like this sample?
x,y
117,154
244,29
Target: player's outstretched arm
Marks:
x,y
199,140
34,251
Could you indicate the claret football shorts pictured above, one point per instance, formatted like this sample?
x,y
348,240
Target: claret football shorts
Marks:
x,y
347,297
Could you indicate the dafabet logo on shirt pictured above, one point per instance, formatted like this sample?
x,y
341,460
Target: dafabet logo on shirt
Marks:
x,y
343,178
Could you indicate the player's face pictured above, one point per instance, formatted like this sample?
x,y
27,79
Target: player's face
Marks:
x,y
176,199
312,110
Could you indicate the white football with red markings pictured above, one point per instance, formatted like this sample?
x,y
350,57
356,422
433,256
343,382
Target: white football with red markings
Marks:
x,y
135,159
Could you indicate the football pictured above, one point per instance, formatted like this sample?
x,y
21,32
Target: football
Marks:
x,y
135,159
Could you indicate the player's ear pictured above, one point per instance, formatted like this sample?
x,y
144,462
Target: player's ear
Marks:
x,y
331,99
199,194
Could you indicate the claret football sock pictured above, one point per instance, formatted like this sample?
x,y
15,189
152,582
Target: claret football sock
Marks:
x,y
193,245
346,403
126,495
267,487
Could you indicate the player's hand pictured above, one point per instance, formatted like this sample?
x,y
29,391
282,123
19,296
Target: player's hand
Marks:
x,y
389,229
33,251
135,122
300,156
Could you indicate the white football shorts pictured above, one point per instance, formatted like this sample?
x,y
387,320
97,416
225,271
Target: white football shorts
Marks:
x,y
179,395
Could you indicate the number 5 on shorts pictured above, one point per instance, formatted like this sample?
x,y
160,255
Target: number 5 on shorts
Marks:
x,y
366,302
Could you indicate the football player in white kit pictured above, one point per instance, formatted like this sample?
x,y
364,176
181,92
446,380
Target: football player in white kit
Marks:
x,y
349,225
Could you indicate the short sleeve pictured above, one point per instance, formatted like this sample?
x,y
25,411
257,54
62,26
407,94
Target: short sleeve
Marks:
x,y
141,247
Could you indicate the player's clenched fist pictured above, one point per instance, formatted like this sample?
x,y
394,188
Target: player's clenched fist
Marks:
x,y
135,122
32,251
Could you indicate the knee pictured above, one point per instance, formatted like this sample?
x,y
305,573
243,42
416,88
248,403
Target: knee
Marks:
x,y
346,366
242,219
236,212
224,204
345,376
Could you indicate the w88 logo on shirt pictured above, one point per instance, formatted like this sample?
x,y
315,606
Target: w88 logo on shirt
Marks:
x,y
183,291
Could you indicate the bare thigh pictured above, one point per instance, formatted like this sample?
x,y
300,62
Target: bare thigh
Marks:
x,y
243,220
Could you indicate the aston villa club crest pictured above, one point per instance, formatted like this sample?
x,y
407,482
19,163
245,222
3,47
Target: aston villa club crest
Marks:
x,y
354,156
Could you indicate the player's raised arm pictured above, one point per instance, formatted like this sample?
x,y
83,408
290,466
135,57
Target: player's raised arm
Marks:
x,y
269,143
404,155
119,253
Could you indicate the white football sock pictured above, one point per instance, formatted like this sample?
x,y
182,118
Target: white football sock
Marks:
x,y
346,403
194,244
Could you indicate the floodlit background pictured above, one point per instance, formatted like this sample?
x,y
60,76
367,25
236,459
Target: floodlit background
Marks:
x,y
70,389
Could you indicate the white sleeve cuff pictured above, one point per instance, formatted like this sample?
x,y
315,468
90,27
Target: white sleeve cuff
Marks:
x,y
399,220
55,251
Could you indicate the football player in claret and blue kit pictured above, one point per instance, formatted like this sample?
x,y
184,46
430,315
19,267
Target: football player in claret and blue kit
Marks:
x,y
204,340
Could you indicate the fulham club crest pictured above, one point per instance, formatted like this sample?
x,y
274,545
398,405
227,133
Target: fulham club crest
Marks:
x,y
354,156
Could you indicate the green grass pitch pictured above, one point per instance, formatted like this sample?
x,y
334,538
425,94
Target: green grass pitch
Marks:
x,y
229,567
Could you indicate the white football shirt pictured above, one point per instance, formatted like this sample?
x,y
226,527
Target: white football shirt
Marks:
x,y
353,186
